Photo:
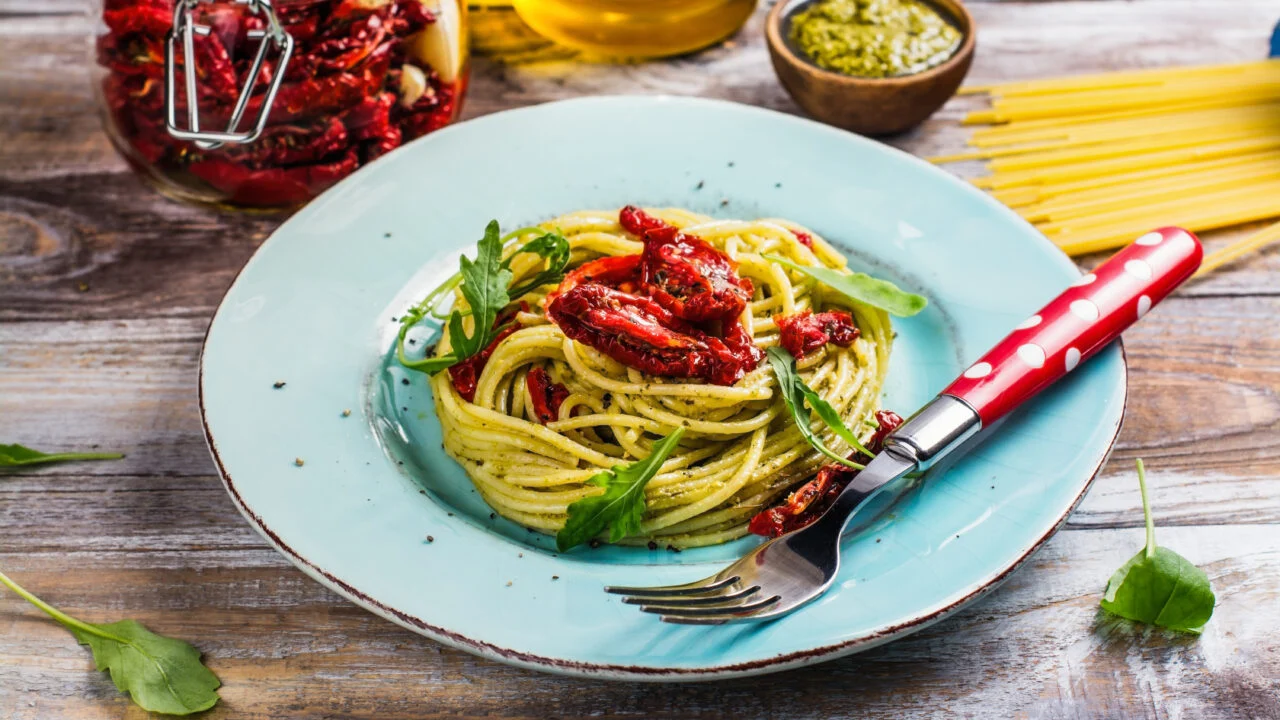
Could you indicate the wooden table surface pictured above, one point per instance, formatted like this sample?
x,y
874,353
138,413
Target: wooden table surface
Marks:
x,y
106,290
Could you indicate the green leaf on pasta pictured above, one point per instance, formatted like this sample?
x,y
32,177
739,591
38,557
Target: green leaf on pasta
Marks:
x,y
555,248
484,285
862,288
795,392
620,508
1158,586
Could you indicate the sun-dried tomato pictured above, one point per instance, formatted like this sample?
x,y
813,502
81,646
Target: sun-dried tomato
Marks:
x,y
345,65
547,396
638,332
621,272
805,238
466,374
276,186
808,502
370,124
806,332
288,145
684,273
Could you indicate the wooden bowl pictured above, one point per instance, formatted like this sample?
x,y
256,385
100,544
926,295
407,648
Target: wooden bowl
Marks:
x,y
870,106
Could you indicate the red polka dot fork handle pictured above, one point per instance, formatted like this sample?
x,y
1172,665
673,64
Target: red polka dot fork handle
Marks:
x,y
1078,323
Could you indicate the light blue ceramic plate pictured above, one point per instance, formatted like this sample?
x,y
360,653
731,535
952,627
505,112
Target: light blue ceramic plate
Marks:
x,y
315,306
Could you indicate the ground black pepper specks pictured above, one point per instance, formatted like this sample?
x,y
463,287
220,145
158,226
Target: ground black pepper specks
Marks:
x,y
278,384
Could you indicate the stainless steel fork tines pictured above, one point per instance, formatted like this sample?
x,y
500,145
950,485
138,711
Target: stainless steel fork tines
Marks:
x,y
711,600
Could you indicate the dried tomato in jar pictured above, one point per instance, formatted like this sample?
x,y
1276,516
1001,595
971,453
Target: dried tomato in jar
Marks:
x,y
330,84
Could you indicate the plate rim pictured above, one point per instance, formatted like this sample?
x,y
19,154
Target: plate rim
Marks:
x,y
609,671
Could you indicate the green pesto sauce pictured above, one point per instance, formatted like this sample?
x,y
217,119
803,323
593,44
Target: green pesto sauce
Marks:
x,y
874,38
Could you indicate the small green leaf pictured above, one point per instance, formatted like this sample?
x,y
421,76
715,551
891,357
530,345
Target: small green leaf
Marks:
x,y
484,284
862,288
621,506
161,674
795,392
1158,586
555,248
17,455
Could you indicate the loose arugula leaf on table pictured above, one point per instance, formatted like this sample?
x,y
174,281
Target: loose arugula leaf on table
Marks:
x,y
621,506
1158,586
161,674
18,456
862,288
795,392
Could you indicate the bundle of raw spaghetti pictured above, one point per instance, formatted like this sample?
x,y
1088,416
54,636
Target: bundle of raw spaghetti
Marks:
x,y
1095,160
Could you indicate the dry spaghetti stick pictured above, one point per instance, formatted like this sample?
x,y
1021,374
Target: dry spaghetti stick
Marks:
x,y
1238,249
1105,183
1116,79
1218,200
1205,97
1108,100
1199,220
1075,131
1123,164
1035,129
1133,146
1066,211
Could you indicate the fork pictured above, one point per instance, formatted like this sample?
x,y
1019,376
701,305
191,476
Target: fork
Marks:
x,y
785,573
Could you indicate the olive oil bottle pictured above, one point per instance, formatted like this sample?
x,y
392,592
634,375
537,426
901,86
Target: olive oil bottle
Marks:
x,y
635,28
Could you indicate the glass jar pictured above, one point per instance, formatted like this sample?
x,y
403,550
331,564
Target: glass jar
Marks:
x,y
636,28
292,95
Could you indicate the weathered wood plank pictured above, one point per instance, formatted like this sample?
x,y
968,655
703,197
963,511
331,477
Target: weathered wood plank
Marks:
x,y
286,647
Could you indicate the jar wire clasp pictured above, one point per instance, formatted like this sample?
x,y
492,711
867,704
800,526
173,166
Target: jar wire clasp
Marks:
x,y
184,30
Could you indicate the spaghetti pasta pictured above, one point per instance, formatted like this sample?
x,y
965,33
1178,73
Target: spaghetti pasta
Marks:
x,y
1090,159
740,450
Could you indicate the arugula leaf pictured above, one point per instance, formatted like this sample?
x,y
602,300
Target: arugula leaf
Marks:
x,y
621,506
484,284
795,392
161,674
862,288
555,248
1158,586
17,455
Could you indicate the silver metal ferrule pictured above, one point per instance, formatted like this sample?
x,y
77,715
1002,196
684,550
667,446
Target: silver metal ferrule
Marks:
x,y
935,430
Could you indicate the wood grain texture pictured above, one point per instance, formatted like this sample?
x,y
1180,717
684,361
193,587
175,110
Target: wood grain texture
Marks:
x,y
106,289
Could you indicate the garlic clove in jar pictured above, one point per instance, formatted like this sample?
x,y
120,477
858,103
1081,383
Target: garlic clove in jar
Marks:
x,y
440,44
413,84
